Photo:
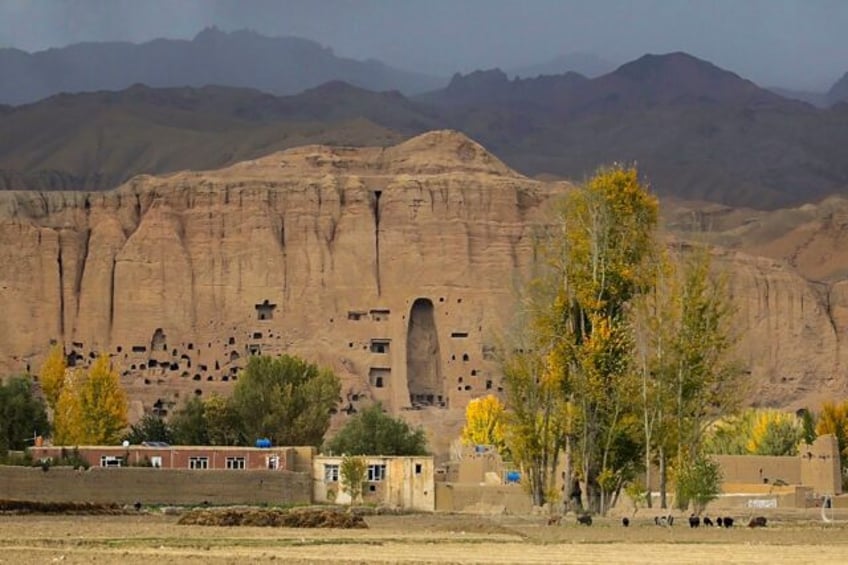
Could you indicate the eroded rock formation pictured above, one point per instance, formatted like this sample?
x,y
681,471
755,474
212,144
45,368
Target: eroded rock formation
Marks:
x,y
397,267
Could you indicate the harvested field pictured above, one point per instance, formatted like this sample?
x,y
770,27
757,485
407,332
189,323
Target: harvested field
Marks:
x,y
31,507
261,517
420,538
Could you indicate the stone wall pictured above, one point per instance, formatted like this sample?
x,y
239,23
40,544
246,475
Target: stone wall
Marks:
x,y
155,486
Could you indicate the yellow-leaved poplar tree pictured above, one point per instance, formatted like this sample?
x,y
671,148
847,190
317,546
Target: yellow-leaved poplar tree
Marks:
x,y
103,403
67,415
484,422
92,407
775,433
52,375
601,259
833,419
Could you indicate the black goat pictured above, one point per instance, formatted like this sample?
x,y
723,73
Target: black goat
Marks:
x,y
625,521
694,521
584,519
758,522
707,521
728,522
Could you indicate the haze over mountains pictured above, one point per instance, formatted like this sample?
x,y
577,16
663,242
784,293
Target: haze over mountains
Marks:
x,y
279,65
696,131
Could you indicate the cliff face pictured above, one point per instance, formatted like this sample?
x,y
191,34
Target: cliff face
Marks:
x,y
397,267
369,260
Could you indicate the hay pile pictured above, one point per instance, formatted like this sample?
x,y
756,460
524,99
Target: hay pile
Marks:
x,y
273,518
33,507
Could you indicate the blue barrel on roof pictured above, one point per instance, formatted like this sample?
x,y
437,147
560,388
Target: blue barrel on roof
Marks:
x,y
263,442
513,477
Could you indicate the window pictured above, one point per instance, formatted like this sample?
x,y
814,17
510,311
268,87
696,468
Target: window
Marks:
x,y
273,462
156,461
235,463
376,473
331,473
198,462
418,468
110,461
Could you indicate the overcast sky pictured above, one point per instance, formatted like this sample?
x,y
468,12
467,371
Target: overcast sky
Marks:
x,y
792,43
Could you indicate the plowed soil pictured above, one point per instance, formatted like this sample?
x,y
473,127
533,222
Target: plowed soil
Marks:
x,y
421,538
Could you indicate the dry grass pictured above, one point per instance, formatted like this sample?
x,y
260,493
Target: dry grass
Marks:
x,y
414,539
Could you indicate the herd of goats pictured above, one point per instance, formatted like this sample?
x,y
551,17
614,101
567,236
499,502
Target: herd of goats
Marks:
x,y
668,521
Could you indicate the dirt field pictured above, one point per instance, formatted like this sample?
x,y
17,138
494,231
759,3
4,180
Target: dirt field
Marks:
x,y
416,539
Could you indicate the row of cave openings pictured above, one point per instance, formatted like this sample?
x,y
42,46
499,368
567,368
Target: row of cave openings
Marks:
x,y
425,375
182,360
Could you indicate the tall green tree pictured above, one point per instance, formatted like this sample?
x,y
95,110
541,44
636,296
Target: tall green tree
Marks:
x,y
373,432
655,321
536,422
698,483
188,423
286,400
688,376
706,377
22,414
223,426
150,428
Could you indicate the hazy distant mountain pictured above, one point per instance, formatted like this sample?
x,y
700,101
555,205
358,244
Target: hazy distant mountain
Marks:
x,y
493,87
651,80
697,132
586,64
817,99
97,140
839,91
279,65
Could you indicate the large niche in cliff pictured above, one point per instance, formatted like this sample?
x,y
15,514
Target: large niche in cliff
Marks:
x,y
423,367
158,342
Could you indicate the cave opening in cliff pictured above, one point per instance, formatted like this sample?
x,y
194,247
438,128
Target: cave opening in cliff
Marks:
x,y
376,211
378,377
265,310
423,361
158,342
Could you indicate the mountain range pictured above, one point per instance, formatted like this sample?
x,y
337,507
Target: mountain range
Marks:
x,y
278,65
696,131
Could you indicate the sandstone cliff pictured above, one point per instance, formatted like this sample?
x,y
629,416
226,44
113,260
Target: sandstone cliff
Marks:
x,y
395,266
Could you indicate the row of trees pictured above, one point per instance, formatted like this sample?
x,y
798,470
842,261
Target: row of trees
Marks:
x,y
288,401
284,399
89,406
621,358
214,421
